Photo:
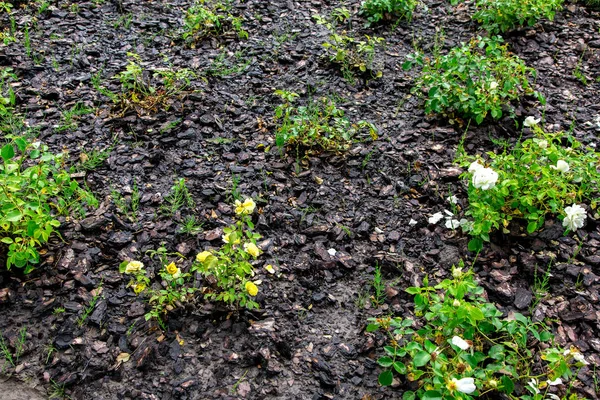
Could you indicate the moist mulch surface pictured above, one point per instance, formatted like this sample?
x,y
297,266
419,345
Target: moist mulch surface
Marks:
x,y
308,340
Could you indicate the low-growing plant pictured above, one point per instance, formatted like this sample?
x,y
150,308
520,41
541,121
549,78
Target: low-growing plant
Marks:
x,y
142,90
379,295
210,19
191,225
69,118
318,126
34,187
540,176
228,270
354,56
89,309
462,347
178,197
386,10
477,79
174,288
503,15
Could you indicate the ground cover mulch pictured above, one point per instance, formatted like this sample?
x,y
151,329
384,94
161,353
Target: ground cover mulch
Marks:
x,y
307,341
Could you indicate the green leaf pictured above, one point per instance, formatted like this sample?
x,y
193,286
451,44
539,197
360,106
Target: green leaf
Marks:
x,y
385,362
400,367
421,358
6,240
372,327
408,395
13,216
7,152
531,227
386,378
431,395
507,385
475,244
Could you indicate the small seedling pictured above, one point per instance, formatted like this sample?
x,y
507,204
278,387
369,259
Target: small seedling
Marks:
x,y
191,226
379,295
87,311
178,197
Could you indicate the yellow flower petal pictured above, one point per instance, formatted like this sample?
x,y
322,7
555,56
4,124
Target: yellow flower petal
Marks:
x,y
172,268
202,256
251,288
251,249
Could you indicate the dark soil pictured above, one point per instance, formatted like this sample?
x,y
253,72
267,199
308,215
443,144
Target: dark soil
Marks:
x,y
307,341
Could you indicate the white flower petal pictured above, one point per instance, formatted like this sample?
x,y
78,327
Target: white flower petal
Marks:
x,y
465,385
530,121
460,343
435,218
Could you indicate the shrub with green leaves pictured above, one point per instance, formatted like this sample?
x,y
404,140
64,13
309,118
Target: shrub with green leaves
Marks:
x,y
503,15
354,56
386,10
319,126
210,19
145,91
539,177
462,347
228,270
34,188
477,79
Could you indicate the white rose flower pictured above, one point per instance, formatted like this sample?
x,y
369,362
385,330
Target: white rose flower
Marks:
x,y
475,166
452,199
530,121
543,144
555,382
561,166
485,178
464,385
493,85
577,356
460,343
574,218
435,218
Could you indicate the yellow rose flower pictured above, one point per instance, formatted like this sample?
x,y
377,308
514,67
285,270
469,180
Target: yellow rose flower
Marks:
x,y
138,288
133,267
251,249
251,288
203,256
226,239
172,268
247,207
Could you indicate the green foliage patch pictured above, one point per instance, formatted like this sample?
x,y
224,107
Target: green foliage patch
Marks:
x,y
319,126
540,176
463,347
477,79
34,188
503,15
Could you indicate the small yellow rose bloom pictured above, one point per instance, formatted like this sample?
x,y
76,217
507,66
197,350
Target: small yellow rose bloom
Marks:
x,y
247,207
251,249
251,288
172,268
226,239
203,256
138,288
133,267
